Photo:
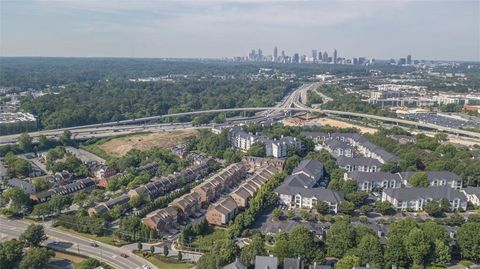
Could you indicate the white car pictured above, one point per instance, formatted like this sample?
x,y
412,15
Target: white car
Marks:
x,y
145,266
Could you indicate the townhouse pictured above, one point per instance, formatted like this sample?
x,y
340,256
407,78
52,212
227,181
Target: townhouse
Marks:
x,y
360,164
211,188
85,184
255,163
162,220
25,185
371,181
99,171
472,194
105,207
187,205
151,168
222,212
226,209
416,199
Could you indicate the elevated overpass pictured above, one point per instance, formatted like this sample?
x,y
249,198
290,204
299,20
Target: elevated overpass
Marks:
x,y
299,108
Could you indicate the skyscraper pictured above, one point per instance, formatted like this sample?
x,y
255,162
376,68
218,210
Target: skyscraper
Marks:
x,y
325,56
409,59
260,55
335,56
314,55
275,54
296,58
320,56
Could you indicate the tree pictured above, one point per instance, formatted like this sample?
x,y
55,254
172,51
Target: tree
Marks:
x,y
180,257
152,250
348,262
257,149
322,207
347,207
66,138
290,214
165,250
417,245
442,255
395,252
277,213
139,246
255,248
370,251
384,207
365,209
434,209
435,231
36,258
357,198
136,201
419,179
291,163
16,198
468,239
340,238
302,244
116,212
10,253
282,247
34,235
25,142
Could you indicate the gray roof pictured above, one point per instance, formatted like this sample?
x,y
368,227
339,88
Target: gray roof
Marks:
x,y
319,193
292,263
434,175
309,167
274,227
434,193
472,191
25,186
235,265
373,176
299,180
337,144
357,161
266,262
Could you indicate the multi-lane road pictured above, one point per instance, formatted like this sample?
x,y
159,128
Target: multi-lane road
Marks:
x,y
60,240
293,102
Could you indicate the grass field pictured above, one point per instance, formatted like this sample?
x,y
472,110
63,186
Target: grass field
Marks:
x,y
161,261
107,239
120,145
205,243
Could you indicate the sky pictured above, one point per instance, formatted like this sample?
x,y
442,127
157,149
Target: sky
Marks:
x,y
382,29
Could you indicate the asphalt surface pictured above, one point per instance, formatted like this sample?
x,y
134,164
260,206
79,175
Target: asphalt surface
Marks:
x,y
64,241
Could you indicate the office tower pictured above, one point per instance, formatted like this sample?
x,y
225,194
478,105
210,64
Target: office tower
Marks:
x,y
296,58
252,55
361,60
275,54
335,56
402,61
260,55
325,56
355,61
320,56
409,59
314,55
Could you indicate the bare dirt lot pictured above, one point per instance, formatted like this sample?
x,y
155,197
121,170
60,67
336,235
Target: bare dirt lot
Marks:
x,y
331,122
120,146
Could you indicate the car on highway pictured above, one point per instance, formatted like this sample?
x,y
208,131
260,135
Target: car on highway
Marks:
x,y
93,244
145,266
123,254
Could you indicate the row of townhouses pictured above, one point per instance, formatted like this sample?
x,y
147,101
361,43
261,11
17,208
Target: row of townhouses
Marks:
x,y
157,187
85,185
166,219
222,212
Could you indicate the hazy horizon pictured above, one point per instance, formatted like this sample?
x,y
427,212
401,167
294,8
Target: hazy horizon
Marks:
x,y
430,30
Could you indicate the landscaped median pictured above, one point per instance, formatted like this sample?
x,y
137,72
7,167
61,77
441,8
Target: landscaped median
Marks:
x,y
106,239
161,261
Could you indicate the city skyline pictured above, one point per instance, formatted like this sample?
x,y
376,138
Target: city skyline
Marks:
x,y
218,29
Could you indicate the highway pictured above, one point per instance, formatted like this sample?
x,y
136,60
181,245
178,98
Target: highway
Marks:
x,y
293,102
60,240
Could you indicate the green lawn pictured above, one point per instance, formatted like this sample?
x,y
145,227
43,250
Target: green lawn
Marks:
x,y
204,243
167,262
95,149
107,239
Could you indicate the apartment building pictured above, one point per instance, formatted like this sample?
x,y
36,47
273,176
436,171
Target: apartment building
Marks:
x,y
360,164
417,198
370,181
